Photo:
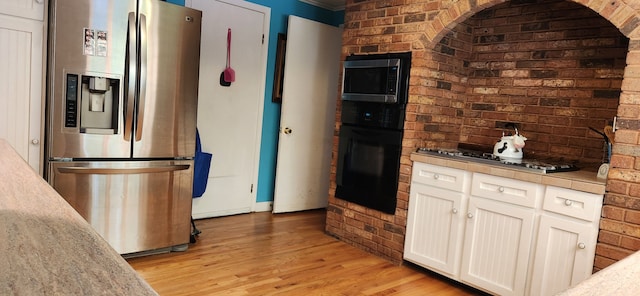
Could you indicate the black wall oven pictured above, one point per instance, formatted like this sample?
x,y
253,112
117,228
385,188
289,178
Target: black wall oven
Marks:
x,y
370,143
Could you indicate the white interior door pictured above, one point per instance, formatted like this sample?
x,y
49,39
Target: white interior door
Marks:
x,y
309,94
21,51
230,117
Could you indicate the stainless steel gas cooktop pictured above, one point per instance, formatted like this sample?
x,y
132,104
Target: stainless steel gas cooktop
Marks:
x,y
532,165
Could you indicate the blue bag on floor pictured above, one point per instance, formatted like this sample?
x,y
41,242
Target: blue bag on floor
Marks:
x,y
201,166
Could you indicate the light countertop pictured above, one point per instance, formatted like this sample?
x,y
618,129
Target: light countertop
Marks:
x,y
46,248
581,180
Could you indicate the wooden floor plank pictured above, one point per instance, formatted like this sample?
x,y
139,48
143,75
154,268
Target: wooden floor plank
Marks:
x,y
282,254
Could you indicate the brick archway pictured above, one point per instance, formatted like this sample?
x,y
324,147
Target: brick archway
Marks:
x,y
378,26
621,15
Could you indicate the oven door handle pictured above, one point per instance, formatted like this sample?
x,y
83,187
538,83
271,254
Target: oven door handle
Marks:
x,y
381,135
362,132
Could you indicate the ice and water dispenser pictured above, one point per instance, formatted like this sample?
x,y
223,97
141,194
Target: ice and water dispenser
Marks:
x,y
91,104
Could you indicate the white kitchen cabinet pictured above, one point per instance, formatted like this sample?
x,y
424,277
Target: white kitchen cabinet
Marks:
x,y
501,235
435,231
436,217
566,240
499,232
497,244
21,72
31,9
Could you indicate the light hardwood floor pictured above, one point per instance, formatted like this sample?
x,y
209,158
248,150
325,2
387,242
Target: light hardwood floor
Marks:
x,y
283,254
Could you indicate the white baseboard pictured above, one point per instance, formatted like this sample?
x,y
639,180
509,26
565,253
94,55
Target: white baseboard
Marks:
x,y
266,206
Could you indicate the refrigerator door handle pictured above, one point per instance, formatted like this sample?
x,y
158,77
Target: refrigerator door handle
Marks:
x,y
131,72
143,76
122,171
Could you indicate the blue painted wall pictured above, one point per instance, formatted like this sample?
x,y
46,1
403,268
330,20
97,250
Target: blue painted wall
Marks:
x,y
280,11
179,2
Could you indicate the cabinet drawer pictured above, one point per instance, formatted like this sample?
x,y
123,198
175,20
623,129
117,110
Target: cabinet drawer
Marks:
x,y
573,203
506,190
441,177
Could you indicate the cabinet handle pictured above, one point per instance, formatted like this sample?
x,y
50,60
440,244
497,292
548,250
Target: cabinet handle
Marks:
x,y
436,176
568,202
469,215
454,210
581,246
501,189
35,141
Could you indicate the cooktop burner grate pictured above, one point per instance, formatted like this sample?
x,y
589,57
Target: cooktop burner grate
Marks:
x,y
526,164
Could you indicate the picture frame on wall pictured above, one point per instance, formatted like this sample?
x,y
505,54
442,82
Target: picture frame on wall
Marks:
x,y
278,77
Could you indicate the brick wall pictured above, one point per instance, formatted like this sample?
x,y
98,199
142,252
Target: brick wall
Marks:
x,y
554,67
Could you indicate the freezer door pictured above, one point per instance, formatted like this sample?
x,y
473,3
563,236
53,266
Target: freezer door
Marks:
x,y
169,61
135,206
86,78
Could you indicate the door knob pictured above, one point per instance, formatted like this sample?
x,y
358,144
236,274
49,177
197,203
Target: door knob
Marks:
x,y
287,130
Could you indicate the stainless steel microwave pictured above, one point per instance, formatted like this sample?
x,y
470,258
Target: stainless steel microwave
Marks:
x,y
372,80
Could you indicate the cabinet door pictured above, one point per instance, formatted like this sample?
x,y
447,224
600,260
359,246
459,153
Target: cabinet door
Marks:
x,y
564,254
434,228
497,244
33,9
21,51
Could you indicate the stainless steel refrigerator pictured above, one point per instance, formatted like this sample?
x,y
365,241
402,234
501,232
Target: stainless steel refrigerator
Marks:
x,y
122,85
